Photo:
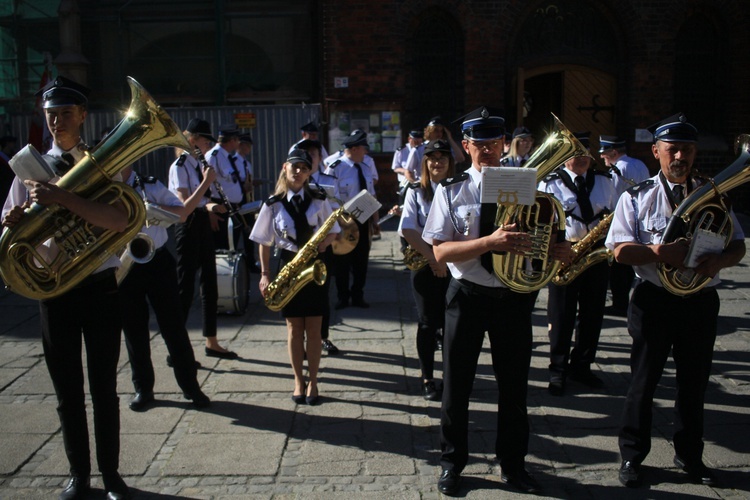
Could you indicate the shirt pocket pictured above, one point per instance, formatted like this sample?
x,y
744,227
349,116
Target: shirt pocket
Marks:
x,y
469,214
653,228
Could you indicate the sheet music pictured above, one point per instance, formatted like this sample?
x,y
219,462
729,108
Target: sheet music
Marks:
x,y
29,165
702,243
512,185
362,206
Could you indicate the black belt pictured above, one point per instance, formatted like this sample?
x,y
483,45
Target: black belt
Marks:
x,y
495,292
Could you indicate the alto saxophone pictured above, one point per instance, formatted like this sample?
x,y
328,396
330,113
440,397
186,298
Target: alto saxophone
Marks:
x,y
299,271
583,256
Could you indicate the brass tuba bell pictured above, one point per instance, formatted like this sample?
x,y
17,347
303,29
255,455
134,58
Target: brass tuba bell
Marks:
x,y
543,220
705,209
29,271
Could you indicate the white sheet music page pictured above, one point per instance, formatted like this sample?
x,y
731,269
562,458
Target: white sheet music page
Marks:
x,y
362,206
508,185
29,165
702,243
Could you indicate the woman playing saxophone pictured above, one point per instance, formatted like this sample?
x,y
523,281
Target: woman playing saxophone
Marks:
x,y
429,278
289,220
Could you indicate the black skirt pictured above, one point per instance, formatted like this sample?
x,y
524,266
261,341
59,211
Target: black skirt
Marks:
x,y
312,300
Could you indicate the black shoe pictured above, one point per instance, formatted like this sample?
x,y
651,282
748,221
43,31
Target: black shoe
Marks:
x,y
697,472
142,400
77,487
585,377
360,303
199,399
630,474
329,347
520,480
115,487
556,385
449,482
212,353
341,304
429,391
298,399
169,363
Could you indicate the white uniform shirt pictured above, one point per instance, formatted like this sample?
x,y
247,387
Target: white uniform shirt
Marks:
x,y
602,196
185,176
275,226
347,178
218,158
459,222
632,169
653,213
414,161
156,193
416,209
327,183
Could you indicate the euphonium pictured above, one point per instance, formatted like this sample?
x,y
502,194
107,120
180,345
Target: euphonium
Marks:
x,y
706,209
299,271
583,255
543,220
82,247
140,250
414,260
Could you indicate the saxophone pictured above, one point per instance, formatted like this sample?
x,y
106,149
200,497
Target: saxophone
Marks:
x,y
299,271
583,256
413,260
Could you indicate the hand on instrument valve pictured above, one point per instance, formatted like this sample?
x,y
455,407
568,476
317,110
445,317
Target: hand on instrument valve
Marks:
x,y
15,214
672,254
508,239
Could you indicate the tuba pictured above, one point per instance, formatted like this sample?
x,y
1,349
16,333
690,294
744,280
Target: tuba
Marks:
x,y
583,255
705,209
543,220
299,271
26,268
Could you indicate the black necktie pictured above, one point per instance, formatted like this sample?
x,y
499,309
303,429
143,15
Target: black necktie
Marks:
x,y
677,194
69,159
297,202
587,211
487,227
361,177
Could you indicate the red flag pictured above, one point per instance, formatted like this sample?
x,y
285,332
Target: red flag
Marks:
x,y
39,135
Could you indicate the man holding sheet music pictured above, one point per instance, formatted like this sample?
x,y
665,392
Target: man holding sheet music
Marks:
x,y
660,322
462,232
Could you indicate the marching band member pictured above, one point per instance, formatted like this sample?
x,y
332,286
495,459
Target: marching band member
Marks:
x,y
288,219
155,283
587,195
221,157
430,283
194,238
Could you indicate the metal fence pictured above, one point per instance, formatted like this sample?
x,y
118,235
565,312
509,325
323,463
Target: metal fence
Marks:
x,y
276,129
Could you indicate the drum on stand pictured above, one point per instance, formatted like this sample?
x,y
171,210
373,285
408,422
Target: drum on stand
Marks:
x,y
231,278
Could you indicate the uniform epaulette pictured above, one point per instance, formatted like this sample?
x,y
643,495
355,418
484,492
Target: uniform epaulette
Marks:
x,y
148,179
414,185
552,177
334,164
453,180
182,159
504,160
317,193
608,175
399,148
214,152
648,183
273,199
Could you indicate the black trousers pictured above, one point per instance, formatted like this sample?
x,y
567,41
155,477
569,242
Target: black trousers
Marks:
x,y
354,262
85,312
429,296
155,283
221,237
583,300
660,322
506,317
620,282
195,252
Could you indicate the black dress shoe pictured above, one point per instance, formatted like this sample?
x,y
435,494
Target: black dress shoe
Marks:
x,y
556,385
520,480
430,392
142,400
298,399
212,353
115,487
585,377
199,399
630,474
169,363
78,487
449,482
697,472
360,303
341,304
329,347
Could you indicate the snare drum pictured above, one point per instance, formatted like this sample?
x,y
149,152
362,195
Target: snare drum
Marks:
x,y
231,278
